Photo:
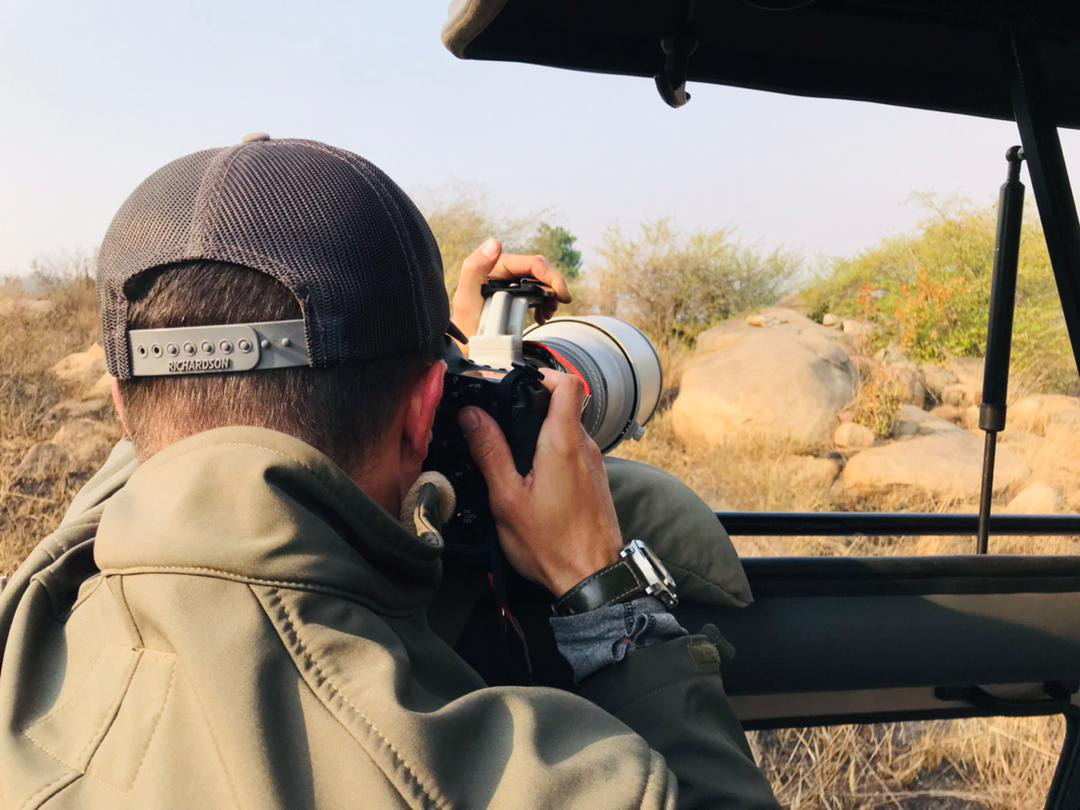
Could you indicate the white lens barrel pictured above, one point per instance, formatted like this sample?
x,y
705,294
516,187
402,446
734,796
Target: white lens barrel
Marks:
x,y
620,366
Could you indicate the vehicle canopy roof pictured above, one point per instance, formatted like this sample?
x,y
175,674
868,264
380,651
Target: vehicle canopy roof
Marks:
x,y
932,54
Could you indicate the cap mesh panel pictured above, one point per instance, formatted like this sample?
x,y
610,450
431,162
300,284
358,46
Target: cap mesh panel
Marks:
x,y
151,228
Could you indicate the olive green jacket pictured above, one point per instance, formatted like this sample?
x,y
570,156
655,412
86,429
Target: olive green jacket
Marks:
x,y
238,625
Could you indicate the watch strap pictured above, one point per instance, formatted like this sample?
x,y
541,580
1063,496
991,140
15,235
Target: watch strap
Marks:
x,y
617,583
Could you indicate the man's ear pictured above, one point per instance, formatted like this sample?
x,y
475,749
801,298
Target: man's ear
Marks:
x,y
420,411
118,403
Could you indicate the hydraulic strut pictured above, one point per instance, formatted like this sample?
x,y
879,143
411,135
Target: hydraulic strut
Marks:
x,y
999,331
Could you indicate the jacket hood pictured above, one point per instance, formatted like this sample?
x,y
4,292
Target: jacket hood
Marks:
x,y
259,506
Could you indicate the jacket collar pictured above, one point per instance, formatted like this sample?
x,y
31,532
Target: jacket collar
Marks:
x,y
256,505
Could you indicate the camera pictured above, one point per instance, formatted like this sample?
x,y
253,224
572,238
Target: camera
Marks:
x,y
617,364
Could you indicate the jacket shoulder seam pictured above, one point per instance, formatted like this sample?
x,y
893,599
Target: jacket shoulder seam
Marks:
x,y
313,472
89,592
290,627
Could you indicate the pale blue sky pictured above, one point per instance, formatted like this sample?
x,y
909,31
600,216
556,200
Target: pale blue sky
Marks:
x,y
96,95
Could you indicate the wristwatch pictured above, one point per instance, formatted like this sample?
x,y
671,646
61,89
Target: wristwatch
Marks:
x,y
638,573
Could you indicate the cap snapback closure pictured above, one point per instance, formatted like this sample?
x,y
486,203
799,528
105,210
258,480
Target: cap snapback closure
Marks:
x,y
214,349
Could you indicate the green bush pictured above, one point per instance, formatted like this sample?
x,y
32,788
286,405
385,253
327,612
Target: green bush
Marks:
x,y
929,292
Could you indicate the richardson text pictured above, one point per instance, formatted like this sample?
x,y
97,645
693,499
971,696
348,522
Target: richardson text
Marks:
x,y
200,364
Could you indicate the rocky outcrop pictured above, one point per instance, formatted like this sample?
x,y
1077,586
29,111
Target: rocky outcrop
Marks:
x,y
949,413
81,370
1051,446
851,435
1036,498
811,472
946,464
1045,414
75,408
777,376
84,430
894,367
906,379
84,374
960,395
968,371
854,328
937,379
86,442
102,389
912,421
41,466
76,448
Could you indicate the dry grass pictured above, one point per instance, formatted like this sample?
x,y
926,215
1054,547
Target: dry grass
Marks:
x,y
1003,763
750,476
993,763
29,345
978,763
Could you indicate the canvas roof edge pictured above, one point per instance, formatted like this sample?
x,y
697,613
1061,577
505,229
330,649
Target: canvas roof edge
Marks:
x,y
912,53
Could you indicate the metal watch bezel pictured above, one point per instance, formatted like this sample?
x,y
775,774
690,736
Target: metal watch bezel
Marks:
x,y
658,581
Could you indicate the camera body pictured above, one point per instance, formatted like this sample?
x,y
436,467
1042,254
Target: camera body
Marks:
x,y
616,363
509,389
518,402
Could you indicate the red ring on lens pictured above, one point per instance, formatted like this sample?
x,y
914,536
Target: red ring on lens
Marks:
x,y
566,364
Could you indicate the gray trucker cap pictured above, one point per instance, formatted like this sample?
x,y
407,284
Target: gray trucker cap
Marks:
x,y
324,222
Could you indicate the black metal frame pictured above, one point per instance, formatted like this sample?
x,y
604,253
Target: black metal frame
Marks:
x,y
1035,119
886,524
1033,108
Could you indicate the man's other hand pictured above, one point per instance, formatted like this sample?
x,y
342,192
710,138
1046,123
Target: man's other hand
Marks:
x,y
557,525
489,262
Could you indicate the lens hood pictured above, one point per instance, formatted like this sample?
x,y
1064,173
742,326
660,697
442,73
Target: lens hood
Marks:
x,y
617,363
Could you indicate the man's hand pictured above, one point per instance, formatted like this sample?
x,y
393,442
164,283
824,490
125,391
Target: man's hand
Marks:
x,y
557,525
489,262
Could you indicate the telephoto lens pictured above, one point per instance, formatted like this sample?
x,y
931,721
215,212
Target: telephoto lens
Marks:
x,y
615,361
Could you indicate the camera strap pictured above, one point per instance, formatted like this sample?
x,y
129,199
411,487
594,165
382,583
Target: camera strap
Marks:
x,y
497,581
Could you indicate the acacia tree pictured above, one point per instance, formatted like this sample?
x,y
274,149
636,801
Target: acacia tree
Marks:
x,y
557,244
675,286
460,224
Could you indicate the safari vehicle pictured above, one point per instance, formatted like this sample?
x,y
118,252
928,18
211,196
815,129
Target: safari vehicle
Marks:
x,y
865,640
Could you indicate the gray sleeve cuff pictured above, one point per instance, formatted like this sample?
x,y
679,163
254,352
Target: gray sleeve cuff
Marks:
x,y
593,640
